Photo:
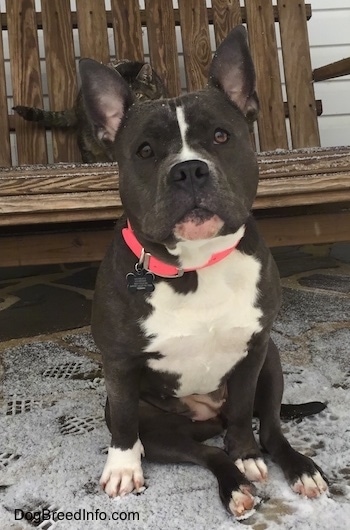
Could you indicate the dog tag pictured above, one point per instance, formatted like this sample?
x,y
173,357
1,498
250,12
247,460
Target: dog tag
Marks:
x,y
140,280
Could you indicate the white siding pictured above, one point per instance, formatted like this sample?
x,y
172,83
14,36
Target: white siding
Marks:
x,y
329,36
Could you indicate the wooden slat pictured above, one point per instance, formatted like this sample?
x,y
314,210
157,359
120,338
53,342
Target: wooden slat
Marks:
x,y
61,216
91,245
332,70
196,42
127,29
143,16
299,161
262,42
298,74
5,149
305,229
269,197
226,15
26,78
162,43
59,208
61,72
66,202
37,180
44,249
319,161
305,184
92,25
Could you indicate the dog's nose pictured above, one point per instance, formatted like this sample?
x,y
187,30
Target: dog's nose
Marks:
x,y
189,173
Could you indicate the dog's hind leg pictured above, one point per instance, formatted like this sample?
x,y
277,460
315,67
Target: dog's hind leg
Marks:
x,y
304,476
171,438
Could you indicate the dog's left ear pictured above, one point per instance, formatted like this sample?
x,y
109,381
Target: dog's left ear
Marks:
x,y
232,70
106,96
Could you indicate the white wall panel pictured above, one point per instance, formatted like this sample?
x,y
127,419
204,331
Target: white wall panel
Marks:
x,y
335,96
329,37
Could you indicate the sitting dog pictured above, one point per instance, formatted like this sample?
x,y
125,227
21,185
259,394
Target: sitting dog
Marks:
x,y
188,291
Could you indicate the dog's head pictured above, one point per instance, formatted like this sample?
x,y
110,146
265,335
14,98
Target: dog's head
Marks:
x,y
187,167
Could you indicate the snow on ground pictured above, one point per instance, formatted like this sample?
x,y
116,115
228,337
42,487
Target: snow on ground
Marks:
x,y
53,442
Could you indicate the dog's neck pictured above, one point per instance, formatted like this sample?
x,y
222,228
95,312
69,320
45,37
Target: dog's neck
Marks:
x,y
191,255
195,254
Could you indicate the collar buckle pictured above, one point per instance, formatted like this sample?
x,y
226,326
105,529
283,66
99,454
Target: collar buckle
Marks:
x,y
144,262
180,272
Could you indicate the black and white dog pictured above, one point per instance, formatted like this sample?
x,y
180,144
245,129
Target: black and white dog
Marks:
x,y
188,292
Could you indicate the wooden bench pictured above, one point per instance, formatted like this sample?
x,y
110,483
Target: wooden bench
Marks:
x,y
64,212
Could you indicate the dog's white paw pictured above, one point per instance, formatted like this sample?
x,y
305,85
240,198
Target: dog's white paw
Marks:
x,y
123,472
310,486
254,469
242,503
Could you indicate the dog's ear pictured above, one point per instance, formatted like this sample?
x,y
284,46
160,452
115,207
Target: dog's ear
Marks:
x,y
145,75
106,97
232,70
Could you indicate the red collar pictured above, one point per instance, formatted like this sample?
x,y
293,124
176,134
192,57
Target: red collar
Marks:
x,y
152,264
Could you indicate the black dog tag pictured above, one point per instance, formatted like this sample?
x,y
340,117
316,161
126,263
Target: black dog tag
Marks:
x,y
140,280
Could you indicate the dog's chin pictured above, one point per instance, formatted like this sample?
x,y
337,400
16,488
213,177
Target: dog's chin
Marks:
x,y
198,224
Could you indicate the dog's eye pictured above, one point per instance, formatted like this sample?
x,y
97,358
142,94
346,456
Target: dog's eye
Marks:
x,y
221,136
145,151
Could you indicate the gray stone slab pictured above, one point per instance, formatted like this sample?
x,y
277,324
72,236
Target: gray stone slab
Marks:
x,y
282,252
39,367
332,347
44,309
301,310
341,251
8,284
28,270
327,282
291,349
81,265
85,278
283,342
82,340
303,263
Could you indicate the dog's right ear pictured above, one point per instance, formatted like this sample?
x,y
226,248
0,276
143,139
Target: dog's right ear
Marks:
x,y
106,97
232,70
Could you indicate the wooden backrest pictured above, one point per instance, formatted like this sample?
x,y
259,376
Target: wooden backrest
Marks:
x,y
288,116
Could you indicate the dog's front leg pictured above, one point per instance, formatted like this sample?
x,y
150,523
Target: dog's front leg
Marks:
x,y
240,442
122,472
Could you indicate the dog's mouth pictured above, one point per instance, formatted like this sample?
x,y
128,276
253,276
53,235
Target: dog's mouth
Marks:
x,y
198,224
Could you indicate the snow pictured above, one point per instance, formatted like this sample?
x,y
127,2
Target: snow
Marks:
x,y
53,454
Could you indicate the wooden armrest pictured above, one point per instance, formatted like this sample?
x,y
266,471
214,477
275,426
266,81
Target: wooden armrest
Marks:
x,y
329,71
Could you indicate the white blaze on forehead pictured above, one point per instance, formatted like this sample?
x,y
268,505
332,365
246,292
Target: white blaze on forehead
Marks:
x,y
186,153
183,125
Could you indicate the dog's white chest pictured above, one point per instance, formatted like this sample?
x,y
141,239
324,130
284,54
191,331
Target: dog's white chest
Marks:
x,y
202,335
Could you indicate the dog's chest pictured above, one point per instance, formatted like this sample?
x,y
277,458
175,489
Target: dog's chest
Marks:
x,y
203,334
